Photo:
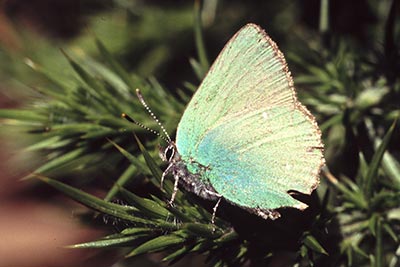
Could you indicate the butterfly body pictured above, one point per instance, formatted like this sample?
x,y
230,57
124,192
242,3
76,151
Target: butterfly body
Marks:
x,y
244,136
193,179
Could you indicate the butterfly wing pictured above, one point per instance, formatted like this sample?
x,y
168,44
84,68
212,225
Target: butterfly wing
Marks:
x,y
246,125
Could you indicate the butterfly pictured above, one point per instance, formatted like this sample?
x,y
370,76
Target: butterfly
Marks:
x,y
244,136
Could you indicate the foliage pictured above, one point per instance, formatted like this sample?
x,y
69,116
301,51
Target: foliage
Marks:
x,y
351,86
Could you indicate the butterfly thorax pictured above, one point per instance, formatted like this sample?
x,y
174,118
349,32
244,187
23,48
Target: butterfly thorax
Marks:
x,y
195,182
190,174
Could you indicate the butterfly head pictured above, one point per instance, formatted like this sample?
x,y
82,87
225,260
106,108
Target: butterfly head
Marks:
x,y
169,153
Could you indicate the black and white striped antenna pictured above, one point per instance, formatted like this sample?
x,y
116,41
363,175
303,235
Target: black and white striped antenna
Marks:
x,y
165,137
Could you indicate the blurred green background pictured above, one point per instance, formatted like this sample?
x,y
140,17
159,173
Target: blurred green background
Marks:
x,y
68,69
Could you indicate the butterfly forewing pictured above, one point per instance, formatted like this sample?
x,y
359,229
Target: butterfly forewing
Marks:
x,y
246,125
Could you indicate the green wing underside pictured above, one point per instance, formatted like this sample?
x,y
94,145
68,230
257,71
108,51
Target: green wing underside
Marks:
x,y
245,124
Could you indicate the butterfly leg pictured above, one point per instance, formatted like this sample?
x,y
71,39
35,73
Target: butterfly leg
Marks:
x,y
215,210
167,170
175,190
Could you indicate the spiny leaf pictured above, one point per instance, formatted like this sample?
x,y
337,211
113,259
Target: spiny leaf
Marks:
x,y
227,237
179,253
313,244
146,205
203,244
61,160
108,242
157,244
53,142
353,196
198,70
391,232
74,128
372,223
359,251
204,230
22,115
116,67
59,86
132,159
96,89
149,160
122,212
324,17
375,162
136,230
379,260
205,65
385,199
391,166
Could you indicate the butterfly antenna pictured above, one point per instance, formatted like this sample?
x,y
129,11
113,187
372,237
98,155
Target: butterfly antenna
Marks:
x,y
141,99
125,116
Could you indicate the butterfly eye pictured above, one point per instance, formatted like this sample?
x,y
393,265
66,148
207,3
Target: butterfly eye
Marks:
x,y
169,153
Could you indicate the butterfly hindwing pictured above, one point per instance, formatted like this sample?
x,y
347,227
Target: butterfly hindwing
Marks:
x,y
259,170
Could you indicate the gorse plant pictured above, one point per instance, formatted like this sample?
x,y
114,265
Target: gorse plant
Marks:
x,y
352,89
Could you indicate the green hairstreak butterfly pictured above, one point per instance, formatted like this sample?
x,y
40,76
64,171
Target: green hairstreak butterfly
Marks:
x,y
244,136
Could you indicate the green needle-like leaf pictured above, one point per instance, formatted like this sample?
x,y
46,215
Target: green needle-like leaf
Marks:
x,y
199,40
116,67
150,207
313,244
177,254
61,160
375,163
21,115
132,159
203,230
157,244
118,211
108,242
379,261
155,170
133,231
96,89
